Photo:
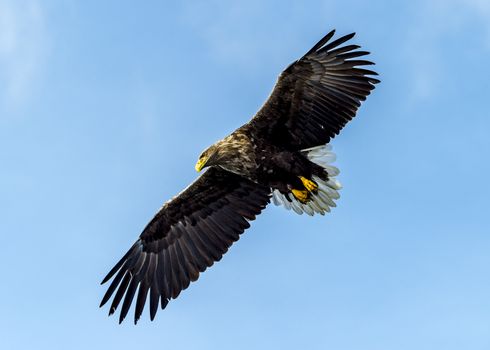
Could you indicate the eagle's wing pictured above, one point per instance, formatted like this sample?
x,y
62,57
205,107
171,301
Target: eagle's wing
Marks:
x,y
315,96
186,236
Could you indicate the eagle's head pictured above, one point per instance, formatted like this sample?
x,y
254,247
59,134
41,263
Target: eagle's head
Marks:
x,y
207,158
227,153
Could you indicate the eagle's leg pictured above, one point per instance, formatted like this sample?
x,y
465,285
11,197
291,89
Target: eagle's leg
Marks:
x,y
301,195
310,185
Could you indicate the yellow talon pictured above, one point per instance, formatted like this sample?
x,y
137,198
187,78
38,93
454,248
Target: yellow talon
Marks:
x,y
309,185
301,195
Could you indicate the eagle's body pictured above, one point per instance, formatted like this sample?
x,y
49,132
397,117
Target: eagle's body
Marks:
x,y
281,153
255,158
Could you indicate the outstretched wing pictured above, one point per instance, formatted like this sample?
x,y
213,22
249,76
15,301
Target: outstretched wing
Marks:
x,y
315,96
186,236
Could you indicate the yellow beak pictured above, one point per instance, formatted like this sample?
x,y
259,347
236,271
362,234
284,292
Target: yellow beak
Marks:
x,y
201,163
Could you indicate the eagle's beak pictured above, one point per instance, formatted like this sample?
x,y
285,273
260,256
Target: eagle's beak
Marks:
x,y
201,163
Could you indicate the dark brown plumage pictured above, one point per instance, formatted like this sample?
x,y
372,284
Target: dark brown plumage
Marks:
x,y
280,153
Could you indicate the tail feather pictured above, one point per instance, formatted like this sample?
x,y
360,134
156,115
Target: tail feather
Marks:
x,y
323,199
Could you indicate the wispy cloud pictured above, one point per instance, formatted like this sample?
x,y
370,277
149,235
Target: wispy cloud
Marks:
x,y
437,22
234,31
23,47
209,19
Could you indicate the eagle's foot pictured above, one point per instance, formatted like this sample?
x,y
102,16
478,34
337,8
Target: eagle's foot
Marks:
x,y
310,186
301,195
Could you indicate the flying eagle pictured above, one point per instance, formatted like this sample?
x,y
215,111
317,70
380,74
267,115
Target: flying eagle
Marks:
x,y
282,154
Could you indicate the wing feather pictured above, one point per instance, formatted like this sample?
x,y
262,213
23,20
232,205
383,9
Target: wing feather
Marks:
x,y
316,95
154,297
185,237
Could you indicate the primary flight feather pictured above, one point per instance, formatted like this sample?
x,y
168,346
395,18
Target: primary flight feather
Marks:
x,y
282,153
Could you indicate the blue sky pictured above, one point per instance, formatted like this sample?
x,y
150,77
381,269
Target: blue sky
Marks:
x,y
105,106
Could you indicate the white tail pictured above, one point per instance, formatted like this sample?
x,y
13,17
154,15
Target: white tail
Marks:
x,y
323,199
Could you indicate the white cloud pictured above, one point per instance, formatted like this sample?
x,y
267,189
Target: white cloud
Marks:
x,y
482,6
23,47
435,22
210,18
234,31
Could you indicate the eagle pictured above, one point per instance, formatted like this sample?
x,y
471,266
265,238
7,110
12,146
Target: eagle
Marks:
x,y
281,155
